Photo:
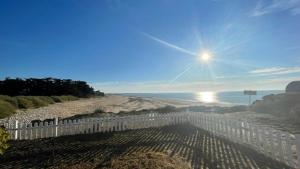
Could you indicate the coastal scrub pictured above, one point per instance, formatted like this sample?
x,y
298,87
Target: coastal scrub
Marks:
x,y
4,137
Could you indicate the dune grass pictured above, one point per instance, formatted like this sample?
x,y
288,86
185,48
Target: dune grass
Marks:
x,y
64,98
6,109
12,100
9,105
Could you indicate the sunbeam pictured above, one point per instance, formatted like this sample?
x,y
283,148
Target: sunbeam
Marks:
x,y
169,44
181,73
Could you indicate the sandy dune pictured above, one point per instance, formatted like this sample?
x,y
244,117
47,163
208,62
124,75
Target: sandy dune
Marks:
x,y
109,103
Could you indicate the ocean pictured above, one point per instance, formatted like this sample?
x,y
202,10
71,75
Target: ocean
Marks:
x,y
232,97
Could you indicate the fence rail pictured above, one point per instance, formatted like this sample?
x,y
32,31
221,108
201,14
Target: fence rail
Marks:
x,y
278,145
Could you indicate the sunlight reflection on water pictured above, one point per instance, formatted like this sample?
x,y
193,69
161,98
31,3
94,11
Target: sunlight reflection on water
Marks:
x,y
207,97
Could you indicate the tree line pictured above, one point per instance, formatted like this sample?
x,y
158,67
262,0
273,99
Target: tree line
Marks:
x,y
46,87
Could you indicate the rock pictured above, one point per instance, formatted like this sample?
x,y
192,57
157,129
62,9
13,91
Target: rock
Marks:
x,y
284,104
293,88
280,104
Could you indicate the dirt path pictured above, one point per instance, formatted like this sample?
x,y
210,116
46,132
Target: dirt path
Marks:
x,y
197,146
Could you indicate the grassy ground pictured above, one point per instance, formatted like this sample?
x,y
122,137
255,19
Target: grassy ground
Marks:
x,y
198,147
9,105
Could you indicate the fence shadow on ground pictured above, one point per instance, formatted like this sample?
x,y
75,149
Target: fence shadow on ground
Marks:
x,y
197,146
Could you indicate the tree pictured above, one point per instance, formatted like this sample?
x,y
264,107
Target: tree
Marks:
x,y
45,87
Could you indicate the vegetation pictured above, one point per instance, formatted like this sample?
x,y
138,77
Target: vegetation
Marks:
x,y
46,87
33,93
4,136
12,100
8,104
283,105
63,98
170,109
6,109
166,109
149,160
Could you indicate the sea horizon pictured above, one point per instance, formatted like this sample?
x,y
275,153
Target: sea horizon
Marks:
x,y
231,97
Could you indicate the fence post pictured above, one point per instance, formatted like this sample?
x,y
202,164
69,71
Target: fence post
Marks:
x,y
56,126
298,150
16,129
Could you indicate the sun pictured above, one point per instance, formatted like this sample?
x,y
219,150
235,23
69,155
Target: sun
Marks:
x,y
205,56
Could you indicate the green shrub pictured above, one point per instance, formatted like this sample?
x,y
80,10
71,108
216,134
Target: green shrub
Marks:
x,y
68,98
99,111
36,101
6,109
63,98
12,100
4,137
56,99
47,99
24,102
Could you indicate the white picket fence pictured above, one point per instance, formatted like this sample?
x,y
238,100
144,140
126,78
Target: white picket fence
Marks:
x,y
29,131
278,145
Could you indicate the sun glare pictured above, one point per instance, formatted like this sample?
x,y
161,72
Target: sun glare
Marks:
x,y
205,56
206,97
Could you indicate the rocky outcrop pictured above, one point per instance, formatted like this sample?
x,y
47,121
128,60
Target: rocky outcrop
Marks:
x,y
285,104
293,88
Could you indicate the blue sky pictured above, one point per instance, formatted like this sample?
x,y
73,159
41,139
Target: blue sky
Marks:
x,y
153,46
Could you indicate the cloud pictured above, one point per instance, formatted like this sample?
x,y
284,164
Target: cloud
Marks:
x,y
275,71
263,8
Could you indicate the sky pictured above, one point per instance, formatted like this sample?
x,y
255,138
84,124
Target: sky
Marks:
x,y
132,46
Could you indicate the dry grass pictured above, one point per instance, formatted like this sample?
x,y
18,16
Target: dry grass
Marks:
x,y
137,160
148,160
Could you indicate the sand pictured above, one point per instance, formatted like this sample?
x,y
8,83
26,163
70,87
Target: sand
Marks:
x,y
108,103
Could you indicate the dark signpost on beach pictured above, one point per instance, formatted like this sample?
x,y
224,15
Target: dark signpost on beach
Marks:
x,y
250,93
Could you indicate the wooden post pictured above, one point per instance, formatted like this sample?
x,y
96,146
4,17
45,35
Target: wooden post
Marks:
x,y
250,128
16,129
256,138
20,132
40,127
46,135
56,127
30,132
240,129
51,129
